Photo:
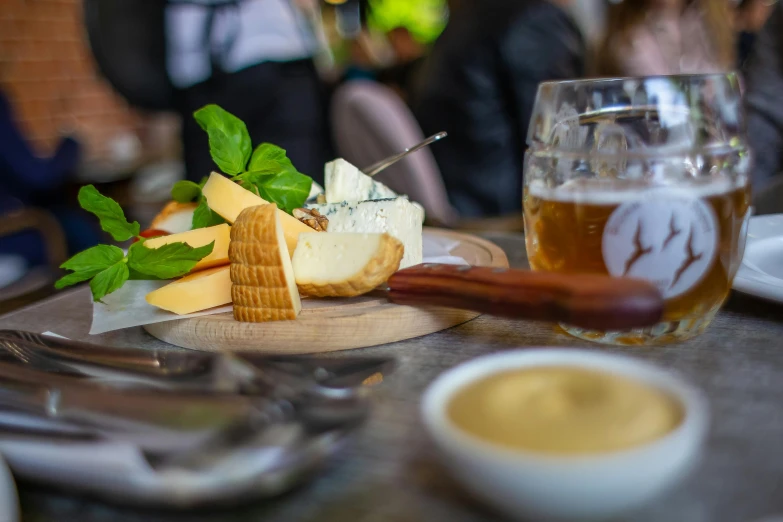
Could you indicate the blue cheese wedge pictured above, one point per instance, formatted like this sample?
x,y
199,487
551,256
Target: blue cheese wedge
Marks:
x,y
398,217
345,182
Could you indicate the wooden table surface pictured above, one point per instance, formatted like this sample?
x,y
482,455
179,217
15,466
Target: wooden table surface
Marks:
x,y
390,473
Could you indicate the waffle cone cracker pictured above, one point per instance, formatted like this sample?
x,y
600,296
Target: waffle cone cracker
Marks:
x,y
263,284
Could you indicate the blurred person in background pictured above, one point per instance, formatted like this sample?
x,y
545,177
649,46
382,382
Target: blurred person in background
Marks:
x,y
28,180
391,58
764,104
408,56
254,58
364,60
655,37
479,84
750,17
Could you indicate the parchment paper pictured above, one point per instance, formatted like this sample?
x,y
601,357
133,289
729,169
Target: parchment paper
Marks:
x,y
127,306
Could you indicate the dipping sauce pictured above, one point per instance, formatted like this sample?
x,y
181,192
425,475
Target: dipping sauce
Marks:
x,y
564,410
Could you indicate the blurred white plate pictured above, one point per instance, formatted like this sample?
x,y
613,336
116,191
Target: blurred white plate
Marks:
x,y
761,271
59,455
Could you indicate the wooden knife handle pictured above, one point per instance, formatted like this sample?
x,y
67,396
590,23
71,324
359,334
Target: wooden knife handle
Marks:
x,y
585,300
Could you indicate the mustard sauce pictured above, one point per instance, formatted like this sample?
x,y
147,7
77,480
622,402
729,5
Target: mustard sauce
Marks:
x,y
564,410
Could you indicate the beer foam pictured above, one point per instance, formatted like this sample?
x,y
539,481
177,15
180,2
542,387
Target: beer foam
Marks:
x,y
601,191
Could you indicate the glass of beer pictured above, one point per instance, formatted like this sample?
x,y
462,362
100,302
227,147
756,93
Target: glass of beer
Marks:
x,y
644,178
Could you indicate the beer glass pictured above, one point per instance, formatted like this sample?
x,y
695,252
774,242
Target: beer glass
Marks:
x,y
644,178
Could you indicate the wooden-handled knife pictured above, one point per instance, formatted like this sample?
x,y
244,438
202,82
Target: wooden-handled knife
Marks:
x,y
590,301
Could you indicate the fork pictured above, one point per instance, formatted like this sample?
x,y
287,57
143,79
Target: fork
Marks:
x,y
31,349
27,355
378,166
139,361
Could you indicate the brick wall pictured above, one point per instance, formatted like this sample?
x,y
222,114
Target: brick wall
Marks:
x,y
47,71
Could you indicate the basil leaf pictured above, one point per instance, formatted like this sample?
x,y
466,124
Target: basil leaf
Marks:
x,y
268,153
229,141
110,214
185,191
273,177
109,280
94,259
89,264
167,261
72,279
288,189
204,216
251,180
264,168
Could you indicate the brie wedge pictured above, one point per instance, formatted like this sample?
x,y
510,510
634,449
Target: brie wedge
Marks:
x,y
398,217
344,264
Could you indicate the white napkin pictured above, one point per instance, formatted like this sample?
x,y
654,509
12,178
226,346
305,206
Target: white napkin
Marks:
x,y
128,307
437,249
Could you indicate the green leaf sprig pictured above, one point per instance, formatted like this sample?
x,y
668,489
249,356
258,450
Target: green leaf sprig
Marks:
x,y
107,267
229,141
265,170
109,212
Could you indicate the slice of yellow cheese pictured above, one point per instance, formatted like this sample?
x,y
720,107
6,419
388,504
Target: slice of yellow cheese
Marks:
x,y
195,292
229,199
174,217
220,234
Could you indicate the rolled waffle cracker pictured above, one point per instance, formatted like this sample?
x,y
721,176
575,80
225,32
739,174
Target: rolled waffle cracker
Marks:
x,y
263,285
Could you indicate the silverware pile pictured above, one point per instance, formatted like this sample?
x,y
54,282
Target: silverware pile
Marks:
x,y
201,427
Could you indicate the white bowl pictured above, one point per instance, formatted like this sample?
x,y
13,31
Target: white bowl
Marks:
x,y
549,487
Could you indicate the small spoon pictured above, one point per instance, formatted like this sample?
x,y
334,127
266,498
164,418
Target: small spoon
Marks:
x,y
375,168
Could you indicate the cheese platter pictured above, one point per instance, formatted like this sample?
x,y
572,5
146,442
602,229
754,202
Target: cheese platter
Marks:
x,y
329,324
257,257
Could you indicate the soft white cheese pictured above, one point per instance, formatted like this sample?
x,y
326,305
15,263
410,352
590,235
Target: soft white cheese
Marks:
x,y
398,217
334,258
345,182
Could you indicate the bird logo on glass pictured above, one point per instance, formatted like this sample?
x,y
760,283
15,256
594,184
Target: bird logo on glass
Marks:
x,y
668,239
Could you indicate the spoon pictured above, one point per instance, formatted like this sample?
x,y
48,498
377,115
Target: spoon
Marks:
x,y
376,167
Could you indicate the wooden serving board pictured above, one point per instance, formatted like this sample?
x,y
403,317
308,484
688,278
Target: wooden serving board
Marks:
x,y
327,325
